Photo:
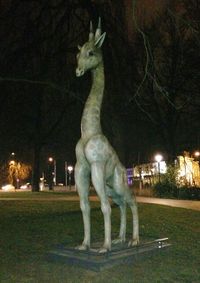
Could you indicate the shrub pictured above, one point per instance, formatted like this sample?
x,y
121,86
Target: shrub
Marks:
x,y
168,185
191,193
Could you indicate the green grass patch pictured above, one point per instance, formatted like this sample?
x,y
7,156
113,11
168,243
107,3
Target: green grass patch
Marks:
x,y
33,195
31,228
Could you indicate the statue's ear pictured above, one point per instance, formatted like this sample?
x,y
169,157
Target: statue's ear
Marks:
x,y
99,41
79,47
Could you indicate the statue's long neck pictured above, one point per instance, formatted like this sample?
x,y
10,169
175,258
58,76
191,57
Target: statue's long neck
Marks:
x,y
90,122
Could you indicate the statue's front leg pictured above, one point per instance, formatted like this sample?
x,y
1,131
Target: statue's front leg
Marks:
x,y
82,180
97,173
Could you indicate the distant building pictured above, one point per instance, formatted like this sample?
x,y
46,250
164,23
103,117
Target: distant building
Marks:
x,y
129,172
189,171
147,174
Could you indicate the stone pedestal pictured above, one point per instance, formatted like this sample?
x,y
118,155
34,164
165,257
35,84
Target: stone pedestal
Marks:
x,y
120,254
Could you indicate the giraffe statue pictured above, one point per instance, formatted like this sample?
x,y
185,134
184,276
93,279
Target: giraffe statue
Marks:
x,y
96,159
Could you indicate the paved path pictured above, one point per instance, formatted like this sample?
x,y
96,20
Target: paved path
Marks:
x,y
194,205
189,204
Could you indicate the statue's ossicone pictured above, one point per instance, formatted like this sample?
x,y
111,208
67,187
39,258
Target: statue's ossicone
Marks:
x,y
96,159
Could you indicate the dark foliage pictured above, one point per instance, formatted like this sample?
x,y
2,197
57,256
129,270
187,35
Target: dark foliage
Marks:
x,y
166,190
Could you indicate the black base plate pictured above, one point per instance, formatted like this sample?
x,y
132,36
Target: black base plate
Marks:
x,y
96,261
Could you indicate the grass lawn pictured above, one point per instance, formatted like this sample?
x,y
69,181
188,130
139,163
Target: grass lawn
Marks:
x,y
30,228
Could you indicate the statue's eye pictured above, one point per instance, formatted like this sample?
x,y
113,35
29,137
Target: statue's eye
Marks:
x,y
90,53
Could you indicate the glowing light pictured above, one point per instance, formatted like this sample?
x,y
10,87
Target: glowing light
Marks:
x,y
25,186
12,162
158,157
50,159
70,168
163,167
8,187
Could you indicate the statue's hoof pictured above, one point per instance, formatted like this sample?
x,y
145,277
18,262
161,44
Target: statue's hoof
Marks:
x,y
118,241
82,248
133,242
103,250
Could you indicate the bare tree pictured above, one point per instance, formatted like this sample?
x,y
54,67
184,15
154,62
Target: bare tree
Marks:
x,y
33,57
168,92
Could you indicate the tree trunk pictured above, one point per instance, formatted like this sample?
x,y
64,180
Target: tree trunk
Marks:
x,y
36,169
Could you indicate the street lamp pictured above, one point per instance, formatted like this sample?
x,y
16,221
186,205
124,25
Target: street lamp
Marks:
x,y
197,155
50,159
70,169
12,173
66,169
51,172
158,158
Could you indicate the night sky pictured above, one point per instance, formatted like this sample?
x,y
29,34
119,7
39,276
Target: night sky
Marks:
x,y
151,55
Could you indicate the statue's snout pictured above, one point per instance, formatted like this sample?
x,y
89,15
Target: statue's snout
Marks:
x,y
79,72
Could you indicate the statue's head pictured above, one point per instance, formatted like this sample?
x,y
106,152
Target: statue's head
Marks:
x,y
90,56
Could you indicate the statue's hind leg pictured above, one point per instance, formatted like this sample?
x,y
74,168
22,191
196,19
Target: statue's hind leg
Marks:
x,y
115,190
124,196
131,201
122,231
